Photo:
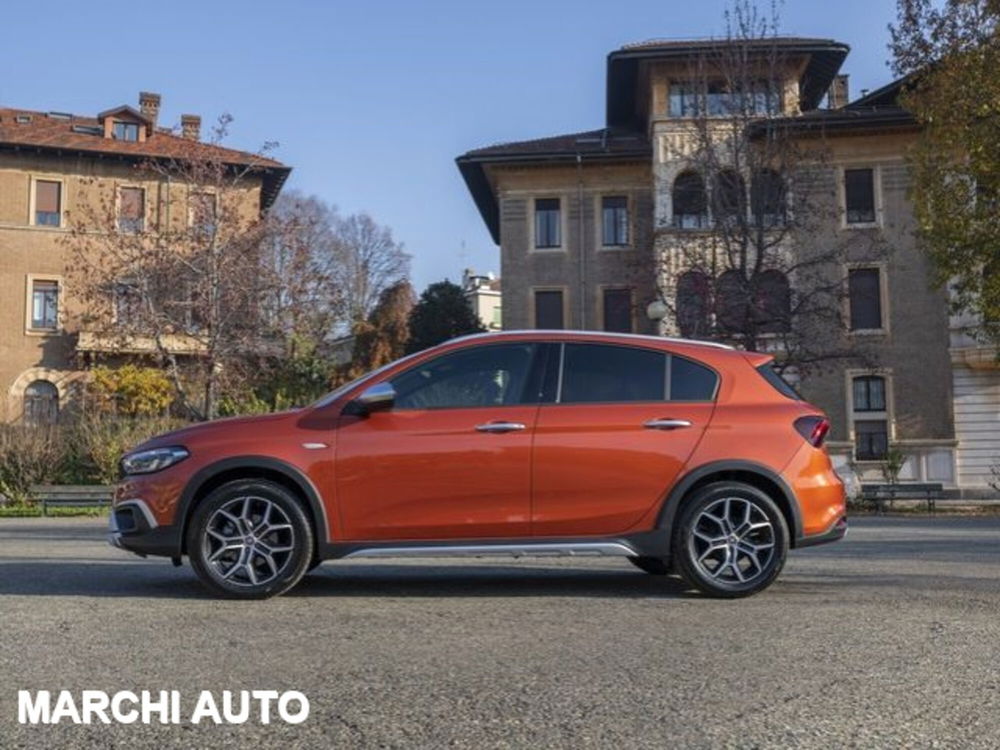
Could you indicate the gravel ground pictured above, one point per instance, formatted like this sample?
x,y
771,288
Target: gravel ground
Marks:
x,y
890,638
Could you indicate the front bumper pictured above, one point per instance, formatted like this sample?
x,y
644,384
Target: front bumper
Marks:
x,y
132,527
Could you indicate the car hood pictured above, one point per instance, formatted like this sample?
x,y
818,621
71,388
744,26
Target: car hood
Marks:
x,y
216,429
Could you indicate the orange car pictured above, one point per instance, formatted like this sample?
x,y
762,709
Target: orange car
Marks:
x,y
683,457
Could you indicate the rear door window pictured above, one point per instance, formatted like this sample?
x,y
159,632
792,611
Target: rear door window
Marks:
x,y
599,373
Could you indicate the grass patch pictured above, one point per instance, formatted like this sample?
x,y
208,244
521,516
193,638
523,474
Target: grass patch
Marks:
x,y
63,511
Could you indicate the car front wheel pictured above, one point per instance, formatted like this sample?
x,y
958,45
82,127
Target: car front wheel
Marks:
x,y
250,539
731,540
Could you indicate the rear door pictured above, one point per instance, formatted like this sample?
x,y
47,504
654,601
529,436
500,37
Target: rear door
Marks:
x,y
620,427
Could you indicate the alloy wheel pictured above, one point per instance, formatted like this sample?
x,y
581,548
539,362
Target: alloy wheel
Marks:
x,y
248,541
732,541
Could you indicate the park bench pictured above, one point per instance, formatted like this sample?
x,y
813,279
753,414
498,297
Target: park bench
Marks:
x,y
880,494
71,496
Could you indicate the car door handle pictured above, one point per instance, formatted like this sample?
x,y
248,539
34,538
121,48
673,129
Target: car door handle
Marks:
x,y
666,424
499,427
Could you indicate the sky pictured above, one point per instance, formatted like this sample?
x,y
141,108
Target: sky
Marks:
x,y
371,102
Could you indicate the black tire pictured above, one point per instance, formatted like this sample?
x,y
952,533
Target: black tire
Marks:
x,y
655,566
230,539
717,559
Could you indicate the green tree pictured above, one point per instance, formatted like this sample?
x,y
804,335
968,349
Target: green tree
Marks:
x,y
950,55
441,314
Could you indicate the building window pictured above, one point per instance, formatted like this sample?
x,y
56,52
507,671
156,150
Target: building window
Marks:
x,y
864,288
859,196
728,196
732,301
683,100
614,221
547,223
127,304
617,308
202,213
693,304
125,131
131,209
772,307
690,203
870,417
44,305
41,403
549,309
767,198
48,203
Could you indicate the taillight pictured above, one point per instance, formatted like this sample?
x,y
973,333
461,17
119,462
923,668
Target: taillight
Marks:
x,y
813,429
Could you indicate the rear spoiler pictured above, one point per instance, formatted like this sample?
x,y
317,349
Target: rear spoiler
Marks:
x,y
758,359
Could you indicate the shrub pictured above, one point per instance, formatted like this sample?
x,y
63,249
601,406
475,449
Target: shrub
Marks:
x,y
28,455
131,390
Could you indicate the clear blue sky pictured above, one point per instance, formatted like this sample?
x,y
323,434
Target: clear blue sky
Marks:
x,y
371,101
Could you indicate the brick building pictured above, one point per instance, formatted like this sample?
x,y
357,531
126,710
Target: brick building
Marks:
x,y
53,164
575,216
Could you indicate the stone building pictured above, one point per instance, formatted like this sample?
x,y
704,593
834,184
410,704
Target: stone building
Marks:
x,y
585,223
52,165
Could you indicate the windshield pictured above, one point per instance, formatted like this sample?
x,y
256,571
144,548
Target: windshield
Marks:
x,y
341,390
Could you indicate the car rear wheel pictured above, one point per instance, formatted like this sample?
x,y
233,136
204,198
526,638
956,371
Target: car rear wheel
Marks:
x,y
656,566
250,539
731,540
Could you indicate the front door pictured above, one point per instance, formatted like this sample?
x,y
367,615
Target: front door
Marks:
x,y
624,422
451,459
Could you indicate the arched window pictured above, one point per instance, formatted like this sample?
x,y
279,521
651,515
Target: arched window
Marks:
x,y
728,196
767,198
731,301
772,302
41,403
692,302
690,204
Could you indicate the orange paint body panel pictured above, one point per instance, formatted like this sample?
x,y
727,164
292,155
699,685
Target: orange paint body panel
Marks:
x,y
579,485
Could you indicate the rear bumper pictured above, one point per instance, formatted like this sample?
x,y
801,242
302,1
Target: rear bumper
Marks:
x,y
132,527
834,534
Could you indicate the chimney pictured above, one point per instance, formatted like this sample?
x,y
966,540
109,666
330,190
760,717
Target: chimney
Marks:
x,y
839,93
191,127
149,106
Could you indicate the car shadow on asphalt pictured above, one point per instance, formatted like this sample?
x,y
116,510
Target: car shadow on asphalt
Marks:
x,y
159,580
485,580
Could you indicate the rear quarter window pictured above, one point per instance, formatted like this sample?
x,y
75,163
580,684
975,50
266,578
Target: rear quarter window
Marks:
x,y
779,383
690,381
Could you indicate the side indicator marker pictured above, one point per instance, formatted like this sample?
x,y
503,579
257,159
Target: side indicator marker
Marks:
x,y
315,446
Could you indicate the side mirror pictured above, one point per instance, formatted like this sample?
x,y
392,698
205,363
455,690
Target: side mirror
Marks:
x,y
376,398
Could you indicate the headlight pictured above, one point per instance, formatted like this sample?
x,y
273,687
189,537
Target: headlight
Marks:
x,y
155,459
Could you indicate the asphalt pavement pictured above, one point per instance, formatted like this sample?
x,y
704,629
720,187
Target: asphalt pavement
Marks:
x,y
890,638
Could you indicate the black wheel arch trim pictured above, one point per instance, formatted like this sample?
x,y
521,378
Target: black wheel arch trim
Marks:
x,y
317,510
670,507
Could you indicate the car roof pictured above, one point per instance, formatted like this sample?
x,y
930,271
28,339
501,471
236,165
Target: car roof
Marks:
x,y
595,335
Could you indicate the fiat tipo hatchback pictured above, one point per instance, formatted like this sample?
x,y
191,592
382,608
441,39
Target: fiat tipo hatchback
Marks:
x,y
684,458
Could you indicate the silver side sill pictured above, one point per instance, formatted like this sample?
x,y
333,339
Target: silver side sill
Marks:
x,y
543,549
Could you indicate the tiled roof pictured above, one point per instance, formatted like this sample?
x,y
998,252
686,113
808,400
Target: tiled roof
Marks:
x,y
608,141
718,42
60,131
73,133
